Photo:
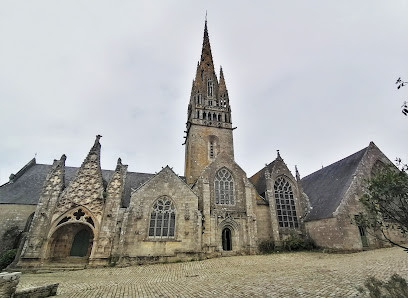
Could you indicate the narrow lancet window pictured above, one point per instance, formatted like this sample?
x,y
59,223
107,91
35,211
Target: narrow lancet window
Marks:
x,y
211,149
210,88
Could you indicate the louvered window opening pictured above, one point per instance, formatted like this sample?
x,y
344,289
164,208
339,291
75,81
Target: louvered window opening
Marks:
x,y
285,204
162,219
224,188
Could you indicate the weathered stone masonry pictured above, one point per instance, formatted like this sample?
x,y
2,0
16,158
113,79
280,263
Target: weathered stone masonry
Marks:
x,y
95,217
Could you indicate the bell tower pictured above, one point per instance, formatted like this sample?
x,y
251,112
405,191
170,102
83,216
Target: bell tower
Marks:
x,y
209,127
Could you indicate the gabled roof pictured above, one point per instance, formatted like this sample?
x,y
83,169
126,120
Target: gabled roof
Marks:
x,y
258,179
25,189
151,177
326,187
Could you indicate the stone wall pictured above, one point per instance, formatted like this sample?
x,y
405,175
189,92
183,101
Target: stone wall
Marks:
x,y
13,221
38,292
263,219
340,231
135,241
8,283
325,233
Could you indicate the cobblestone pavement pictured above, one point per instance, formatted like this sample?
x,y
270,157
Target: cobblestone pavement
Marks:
x,y
304,274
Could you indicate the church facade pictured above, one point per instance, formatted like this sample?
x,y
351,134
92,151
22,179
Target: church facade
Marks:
x,y
97,216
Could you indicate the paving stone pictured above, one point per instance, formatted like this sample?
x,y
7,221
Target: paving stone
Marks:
x,y
302,274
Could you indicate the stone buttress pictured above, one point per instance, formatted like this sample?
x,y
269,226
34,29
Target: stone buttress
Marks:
x,y
54,184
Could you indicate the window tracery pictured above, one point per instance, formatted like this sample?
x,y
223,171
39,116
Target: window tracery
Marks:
x,y
162,219
224,187
285,204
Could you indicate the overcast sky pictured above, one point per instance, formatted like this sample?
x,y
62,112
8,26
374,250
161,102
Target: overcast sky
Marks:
x,y
314,79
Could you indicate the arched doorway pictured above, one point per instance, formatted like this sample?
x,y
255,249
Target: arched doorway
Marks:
x,y
72,240
80,244
226,239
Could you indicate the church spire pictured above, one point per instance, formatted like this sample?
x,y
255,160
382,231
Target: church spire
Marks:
x,y
206,55
208,127
209,102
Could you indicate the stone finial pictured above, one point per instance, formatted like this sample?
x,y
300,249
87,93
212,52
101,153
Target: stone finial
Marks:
x,y
278,157
118,164
297,173
97,145
63,158
12,176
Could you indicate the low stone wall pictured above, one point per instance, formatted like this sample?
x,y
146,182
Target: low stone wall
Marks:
x,y
38,292
8,283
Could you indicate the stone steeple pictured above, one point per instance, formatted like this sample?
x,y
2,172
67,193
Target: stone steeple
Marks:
x,y
208,127
209,102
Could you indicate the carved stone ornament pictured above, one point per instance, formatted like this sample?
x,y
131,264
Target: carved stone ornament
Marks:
x,y
78,215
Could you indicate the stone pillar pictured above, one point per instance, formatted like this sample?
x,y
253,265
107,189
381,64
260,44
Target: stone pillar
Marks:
x,y
8,283
272,209
251,218
206,197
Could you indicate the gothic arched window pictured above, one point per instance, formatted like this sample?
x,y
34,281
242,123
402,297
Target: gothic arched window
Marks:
x,y
285,204
162,219
224,187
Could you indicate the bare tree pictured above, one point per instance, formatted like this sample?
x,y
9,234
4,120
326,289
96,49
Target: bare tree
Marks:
x,y
400,83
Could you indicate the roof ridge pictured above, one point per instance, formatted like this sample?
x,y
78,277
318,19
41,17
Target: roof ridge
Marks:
x,y
14,177
338,162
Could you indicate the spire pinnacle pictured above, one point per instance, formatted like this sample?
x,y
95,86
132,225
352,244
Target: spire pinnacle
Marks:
x,y
222,85
206,55
297,173
278,157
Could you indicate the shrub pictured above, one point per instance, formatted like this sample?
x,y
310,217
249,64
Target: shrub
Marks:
x,y
295,242
395,287
7,258
266,247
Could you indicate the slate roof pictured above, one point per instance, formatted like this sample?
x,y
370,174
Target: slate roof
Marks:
x,y
326,187
26,186
258,179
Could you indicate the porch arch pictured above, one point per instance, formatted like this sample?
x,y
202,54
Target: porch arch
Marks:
x,y
71,240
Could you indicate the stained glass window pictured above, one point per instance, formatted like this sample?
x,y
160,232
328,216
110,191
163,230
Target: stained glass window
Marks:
x,y
162,219
224,187
285,204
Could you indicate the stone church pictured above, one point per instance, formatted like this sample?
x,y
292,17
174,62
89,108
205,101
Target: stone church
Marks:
x,y
93,216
